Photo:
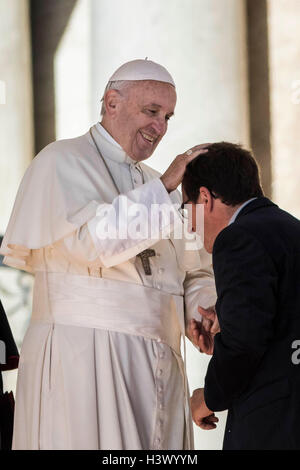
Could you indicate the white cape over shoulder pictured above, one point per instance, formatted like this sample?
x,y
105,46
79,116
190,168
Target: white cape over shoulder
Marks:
x,y
60,191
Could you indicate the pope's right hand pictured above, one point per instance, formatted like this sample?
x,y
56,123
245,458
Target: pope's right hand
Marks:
x,y
173,176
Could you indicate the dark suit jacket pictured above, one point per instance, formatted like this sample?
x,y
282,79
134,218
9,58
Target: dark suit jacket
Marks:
x,y
257,270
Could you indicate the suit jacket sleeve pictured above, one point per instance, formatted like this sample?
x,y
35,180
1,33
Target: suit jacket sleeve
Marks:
x,y
246,280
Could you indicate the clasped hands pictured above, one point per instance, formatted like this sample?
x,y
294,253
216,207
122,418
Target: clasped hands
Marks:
x,y
202,334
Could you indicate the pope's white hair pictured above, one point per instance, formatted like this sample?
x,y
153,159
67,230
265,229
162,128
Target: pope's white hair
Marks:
x,y
115,85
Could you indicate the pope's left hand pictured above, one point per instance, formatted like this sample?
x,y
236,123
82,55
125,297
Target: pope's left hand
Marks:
x,y
202,416
203,332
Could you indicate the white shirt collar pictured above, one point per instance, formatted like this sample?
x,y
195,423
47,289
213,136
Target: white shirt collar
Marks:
x,y
234,216
110,148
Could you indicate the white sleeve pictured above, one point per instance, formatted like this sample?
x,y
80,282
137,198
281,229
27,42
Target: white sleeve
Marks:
x,y
199,288
130,224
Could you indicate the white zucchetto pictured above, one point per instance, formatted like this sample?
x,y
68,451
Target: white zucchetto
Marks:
x,y
142,70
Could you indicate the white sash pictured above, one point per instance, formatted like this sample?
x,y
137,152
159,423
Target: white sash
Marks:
x,y
115,306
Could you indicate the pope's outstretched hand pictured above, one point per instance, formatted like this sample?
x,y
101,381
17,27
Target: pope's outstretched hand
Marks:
x,y
173,176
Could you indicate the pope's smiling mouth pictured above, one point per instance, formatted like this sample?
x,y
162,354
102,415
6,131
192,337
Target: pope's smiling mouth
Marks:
x,y
148,138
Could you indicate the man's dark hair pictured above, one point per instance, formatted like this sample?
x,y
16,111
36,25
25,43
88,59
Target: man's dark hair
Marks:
x,y
227,170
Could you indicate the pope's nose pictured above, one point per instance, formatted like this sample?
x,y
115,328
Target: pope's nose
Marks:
x,y
159,126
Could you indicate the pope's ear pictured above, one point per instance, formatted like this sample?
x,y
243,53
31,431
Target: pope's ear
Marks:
x,y
112,99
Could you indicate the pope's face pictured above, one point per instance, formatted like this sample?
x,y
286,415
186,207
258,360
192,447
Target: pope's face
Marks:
x,y
141,118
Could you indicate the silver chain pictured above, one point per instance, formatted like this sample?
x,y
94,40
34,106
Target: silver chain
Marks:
x,y
102,158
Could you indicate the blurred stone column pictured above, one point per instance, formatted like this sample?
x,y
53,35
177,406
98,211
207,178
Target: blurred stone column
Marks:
x,y
284,40
203,45
259,89
16,148
50,24
16,123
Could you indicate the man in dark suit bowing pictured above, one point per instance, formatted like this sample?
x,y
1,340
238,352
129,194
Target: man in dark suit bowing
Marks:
x,y
254,371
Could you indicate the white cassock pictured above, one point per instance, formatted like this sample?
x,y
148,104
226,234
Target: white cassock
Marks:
x,y
100,364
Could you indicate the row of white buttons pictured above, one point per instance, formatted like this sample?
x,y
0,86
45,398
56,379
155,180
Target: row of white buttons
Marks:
x,y
160,389
137,175
160,271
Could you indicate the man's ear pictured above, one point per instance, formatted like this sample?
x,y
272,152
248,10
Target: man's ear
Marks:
x,y
112,100
205,198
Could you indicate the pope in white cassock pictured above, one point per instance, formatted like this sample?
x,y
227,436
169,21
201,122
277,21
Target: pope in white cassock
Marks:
x,y
100,364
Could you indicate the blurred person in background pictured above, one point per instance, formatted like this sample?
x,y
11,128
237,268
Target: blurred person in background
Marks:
x,y
9,358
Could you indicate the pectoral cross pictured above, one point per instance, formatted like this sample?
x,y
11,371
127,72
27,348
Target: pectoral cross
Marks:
x,y
145,255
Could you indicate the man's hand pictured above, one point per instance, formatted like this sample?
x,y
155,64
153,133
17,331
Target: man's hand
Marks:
x,y
202,416
174,174
202,332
